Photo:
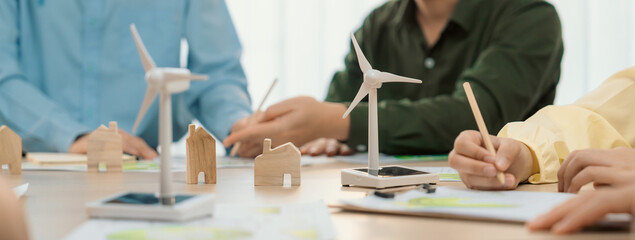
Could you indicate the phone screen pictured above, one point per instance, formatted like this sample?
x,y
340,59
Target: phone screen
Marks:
x,y
394,171
144,199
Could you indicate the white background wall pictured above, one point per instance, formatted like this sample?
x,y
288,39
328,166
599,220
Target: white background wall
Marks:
x,y
599,41
303,42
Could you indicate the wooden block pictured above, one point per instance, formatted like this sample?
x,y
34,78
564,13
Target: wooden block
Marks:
x,y
272,164
201,155
10,150
105,146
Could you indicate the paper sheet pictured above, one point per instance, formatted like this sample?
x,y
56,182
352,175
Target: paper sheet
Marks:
x,y
385,159
56,158
230,221
178,164
446,174
511,206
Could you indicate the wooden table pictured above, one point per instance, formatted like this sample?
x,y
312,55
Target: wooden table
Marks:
x,y
55,203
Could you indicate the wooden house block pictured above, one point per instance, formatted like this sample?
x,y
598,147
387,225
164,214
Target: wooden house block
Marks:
x,y
201,155
10,150
272,164
104,146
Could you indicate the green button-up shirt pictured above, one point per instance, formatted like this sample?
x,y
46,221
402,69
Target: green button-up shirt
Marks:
x,y
509,51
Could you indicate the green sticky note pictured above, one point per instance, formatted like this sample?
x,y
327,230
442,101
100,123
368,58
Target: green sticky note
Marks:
x,y
437,157
449,177
180,232
451,202
305,234
140,166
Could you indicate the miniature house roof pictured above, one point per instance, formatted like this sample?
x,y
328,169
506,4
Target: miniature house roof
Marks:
x,y
199,132
111,128
104,134
280,149
7,131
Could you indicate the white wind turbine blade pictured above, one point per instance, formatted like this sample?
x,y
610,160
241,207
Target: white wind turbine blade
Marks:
x,y
363,91
151,94
175,76
385,77
363,62
196,77
146,59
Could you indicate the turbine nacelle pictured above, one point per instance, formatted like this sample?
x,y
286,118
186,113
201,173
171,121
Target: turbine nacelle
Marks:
x,y
373,79
171,80
160,80
154,77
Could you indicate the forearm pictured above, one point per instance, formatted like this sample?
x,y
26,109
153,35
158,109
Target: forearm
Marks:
x,y
43,125
335,126
215,51
221,106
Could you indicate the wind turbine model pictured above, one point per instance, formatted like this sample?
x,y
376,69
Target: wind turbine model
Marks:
x,y
374,176
165,206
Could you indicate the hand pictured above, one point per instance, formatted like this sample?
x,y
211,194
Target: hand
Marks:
x,y
297,120
250,147
247,121
602,167
131,144
585,209
12,221
477,167
328,146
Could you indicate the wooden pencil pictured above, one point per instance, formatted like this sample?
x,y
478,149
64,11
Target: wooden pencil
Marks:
x,y
481,126
252,118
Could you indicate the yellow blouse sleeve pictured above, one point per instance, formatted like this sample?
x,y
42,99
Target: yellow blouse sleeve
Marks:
x,y
602,119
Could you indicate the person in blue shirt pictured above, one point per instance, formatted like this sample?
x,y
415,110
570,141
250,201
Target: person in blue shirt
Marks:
x,y
67,67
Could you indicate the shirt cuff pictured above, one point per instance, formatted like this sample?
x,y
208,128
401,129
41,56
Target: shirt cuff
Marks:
x,y
67,137
535,177
545,161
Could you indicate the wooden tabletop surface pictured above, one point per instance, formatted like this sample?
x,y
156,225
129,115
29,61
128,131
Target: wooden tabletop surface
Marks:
x,y
55,203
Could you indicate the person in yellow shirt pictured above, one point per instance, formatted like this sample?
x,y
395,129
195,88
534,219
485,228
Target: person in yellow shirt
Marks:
x,y
543,149
589,141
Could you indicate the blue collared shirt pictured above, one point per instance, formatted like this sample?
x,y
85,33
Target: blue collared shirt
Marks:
x,y
68,66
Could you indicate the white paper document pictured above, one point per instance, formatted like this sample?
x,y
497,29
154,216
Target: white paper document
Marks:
x,y
230,221
449,202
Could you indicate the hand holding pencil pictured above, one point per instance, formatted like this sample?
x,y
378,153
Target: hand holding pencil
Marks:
x,y
481,126
253,118
501,164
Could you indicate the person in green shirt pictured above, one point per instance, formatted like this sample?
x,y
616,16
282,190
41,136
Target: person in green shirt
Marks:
x,y
509,50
